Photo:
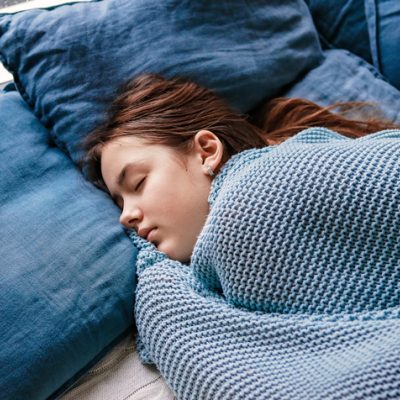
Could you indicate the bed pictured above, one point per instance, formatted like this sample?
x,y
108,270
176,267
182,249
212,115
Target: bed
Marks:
x,y
68,268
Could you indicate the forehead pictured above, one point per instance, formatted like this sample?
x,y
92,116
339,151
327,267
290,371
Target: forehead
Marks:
x,y
129,149
123,144
117,152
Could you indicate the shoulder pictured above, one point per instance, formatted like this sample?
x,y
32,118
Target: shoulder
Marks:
x,y
234,168
241,163
295,154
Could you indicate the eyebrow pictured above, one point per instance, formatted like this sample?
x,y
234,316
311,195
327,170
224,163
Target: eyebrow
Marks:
x,y
122,174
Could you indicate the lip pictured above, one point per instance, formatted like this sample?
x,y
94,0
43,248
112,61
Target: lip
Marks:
x,y
150,235
146,233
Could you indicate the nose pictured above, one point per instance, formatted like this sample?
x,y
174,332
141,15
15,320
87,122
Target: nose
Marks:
x,y
131,216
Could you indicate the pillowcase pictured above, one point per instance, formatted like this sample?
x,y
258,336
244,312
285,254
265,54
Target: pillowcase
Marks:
x,y
367,28
383,18
343,76
67,275
68,62
342,25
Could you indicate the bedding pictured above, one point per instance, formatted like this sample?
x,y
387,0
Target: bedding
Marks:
x,y
120,375
384,30
367,28
70,60
293,286
343,75
68,269
73,258
66,294
342,24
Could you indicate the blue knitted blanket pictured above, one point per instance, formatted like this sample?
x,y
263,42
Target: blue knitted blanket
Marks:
x,y
293,290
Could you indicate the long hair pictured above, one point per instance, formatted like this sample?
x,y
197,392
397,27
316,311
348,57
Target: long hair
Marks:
x,y
171,111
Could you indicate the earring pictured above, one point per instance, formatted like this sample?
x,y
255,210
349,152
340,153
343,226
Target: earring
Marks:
x,y
210,171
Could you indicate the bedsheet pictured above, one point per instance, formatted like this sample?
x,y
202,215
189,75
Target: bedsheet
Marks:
x,y
120,375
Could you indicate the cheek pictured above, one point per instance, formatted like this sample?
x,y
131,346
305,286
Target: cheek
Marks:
x,y
162,205
192,216
181,203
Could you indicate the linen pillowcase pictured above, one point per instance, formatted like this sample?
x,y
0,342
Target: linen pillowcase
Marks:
x,y
67,269
68,62
342,24
367,28
383,17
344,76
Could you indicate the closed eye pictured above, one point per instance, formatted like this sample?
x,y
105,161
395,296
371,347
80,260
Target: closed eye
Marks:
x,y
140,184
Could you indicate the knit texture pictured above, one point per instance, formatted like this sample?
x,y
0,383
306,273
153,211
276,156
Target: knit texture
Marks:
x,y
293,291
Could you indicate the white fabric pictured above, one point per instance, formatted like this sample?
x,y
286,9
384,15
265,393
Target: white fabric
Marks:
x,y
120,375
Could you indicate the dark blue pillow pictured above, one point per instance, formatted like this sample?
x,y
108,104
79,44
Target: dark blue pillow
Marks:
x,y
344,76
67,275
367,28
342,24
68,62
383,18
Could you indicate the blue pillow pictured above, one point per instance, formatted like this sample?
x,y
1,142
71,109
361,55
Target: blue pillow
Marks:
x,y
67,275
383,18
68,62
342,24
343,76
367,28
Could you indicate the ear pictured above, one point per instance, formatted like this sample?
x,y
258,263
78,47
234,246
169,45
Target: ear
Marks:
x,y
209,148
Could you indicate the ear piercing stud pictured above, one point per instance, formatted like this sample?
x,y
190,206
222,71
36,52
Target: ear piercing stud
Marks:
x,y
210,171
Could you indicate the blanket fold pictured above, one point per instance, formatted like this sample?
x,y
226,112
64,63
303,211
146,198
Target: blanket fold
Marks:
x,y
293,291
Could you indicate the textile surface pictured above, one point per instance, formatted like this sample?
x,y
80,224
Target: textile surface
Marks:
x,y
68,62
367,28
63,252
120,375
67,283
343,76
342,24
293,290
66,291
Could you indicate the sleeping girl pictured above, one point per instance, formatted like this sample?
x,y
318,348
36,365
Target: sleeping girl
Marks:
x,y
269,246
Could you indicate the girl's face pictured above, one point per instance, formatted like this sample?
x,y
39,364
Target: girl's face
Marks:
x,y
163,194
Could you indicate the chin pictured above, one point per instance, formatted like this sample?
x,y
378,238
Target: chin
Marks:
x,y
174,254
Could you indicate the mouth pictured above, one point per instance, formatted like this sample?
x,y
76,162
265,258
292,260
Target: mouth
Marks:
x,y
149,234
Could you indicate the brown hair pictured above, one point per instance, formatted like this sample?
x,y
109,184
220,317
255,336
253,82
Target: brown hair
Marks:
x,y
172,111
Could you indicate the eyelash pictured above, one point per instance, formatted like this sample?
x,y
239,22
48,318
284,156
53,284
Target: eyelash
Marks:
x,y
136,188
140,184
